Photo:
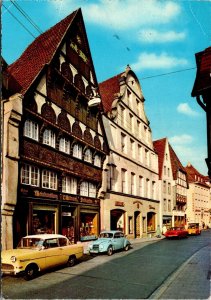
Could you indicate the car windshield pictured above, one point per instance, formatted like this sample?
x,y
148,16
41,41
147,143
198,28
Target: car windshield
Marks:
x,y
31,243
107,235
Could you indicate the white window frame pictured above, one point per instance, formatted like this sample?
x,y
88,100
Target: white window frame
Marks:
x,y
97,160
30,175
88,155
49,180
69,185
77,151
64,145
49,138
31,129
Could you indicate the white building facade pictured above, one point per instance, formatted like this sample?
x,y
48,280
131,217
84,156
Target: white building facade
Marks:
x,y
131,201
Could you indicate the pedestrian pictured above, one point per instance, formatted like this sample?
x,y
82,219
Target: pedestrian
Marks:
x,y
158,232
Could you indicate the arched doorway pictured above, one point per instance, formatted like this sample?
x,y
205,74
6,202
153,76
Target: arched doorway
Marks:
x,y
150,221
117,219
137,224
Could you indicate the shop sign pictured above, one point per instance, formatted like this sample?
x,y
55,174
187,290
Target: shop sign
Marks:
x,y
24,191
69,198
88,200
119,203
45,195
66,214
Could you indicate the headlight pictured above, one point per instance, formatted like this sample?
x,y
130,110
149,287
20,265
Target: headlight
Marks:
x,y
13,259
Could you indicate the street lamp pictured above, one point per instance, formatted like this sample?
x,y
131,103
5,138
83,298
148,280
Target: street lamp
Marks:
x,y
202,92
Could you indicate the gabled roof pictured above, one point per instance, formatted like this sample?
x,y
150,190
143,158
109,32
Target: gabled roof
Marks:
x,y
195,176
203,78
175,163
108,89
39,53
159,146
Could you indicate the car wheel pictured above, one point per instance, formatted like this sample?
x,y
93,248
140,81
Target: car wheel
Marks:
x,y
126,248
110,251
71,261
30,272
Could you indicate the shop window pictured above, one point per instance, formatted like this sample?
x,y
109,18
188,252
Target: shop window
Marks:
x,y
43,221
88,226
49,138
77,151
69,185
49,180
30,175
97,160
88,155
64,145
31,129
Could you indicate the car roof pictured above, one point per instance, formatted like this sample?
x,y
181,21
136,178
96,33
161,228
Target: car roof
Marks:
x,y
45,236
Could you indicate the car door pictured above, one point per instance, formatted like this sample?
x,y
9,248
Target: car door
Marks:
x,y
53,253
117,241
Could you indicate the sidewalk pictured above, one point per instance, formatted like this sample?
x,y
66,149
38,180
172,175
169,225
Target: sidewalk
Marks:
x,y
191,281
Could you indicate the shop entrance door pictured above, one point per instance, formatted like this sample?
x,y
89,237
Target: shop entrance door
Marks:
x,y
117,220
137,224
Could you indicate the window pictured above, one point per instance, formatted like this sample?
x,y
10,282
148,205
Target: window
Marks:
x,y
131,122
164,205
138,107
164,186
97,160
133,184
164,170
140,186
138,128
64,145
31,129
122,115
123,137
77,151
111,178
140,153
153,190
69,185
169,205
88,189
132,148
146,157
169,188
30,175
49,138
147,188
129,95
123,178
88,155
49,180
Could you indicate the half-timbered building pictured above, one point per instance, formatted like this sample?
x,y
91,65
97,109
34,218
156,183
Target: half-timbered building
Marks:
x,y
54,153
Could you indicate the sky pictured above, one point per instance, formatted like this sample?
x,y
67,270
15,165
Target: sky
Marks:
x,y
157,38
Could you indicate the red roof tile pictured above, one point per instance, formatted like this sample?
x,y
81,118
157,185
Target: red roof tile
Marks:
x,y
40,52
159,147
195,176
203,76
108,89
175,163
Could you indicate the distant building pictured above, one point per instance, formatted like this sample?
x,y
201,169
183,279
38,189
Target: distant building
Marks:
x,y
180,189
131,200
54,144
166,182
199,201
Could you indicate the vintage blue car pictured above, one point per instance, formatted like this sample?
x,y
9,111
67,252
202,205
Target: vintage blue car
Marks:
x,y
109,241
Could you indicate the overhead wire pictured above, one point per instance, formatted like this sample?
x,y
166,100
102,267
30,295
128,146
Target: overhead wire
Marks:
x,y
18,7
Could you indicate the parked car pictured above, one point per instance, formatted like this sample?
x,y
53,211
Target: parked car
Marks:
x,y
109,241
36,253
193,229
176,232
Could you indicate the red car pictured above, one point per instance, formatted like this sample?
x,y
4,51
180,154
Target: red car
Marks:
x,y
176,232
